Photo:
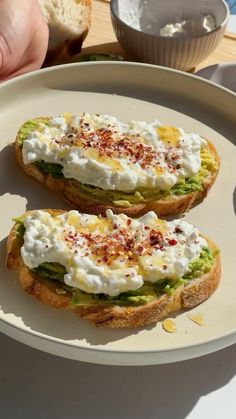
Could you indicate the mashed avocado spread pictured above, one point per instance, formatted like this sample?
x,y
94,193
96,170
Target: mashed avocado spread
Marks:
x,y
119,198
145,294
55,272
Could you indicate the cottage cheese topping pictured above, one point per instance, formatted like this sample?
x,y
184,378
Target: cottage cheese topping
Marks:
x,y
190,27
101,151
110,255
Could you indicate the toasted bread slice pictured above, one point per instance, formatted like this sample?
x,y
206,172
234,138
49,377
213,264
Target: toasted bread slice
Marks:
x,y
185,296
86,202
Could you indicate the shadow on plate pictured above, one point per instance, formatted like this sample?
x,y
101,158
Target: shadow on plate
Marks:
x,y
38,317
14,181
33,313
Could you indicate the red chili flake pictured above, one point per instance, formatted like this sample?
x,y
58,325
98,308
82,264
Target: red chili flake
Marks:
x,y
140,249
129,221
178,230
172,242
105,247
128,244
156,238
88,237
146,228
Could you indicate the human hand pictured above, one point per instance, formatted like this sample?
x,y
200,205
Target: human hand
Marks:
x,y
23,37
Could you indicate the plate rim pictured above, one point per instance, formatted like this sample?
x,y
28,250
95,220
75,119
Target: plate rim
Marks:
x,y
61,67
71,344
141,353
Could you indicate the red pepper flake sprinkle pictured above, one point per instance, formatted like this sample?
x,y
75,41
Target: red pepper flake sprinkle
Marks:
x,y
105,259
120,243
140,249
155,238
178,230
172,242
124,145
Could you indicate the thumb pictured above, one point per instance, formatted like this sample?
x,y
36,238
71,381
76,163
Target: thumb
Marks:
x,y
14,32
4,51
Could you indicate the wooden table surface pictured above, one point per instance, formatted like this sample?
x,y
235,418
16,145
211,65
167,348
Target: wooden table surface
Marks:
x,y
101,39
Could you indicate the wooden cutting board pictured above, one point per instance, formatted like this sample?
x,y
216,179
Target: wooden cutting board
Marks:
x,y
101,39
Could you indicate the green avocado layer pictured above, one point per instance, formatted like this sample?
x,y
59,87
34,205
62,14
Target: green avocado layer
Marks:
x,y
56,272
119,198
29,126
52,169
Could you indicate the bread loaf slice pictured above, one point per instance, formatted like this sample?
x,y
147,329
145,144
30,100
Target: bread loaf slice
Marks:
x,y
106,313
85,201
69,22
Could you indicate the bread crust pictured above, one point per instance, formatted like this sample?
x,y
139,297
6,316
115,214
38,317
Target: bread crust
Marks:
x,y
168,206
185,297
64,46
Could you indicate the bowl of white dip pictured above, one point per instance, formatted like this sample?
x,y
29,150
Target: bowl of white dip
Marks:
x,y
172,33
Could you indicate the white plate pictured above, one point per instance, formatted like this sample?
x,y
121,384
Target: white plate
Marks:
x,y
223,74
126,90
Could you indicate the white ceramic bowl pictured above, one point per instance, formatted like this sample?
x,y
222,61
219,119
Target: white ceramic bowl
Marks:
x,y
137,26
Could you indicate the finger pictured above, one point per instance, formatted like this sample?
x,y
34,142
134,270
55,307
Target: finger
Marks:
x,y
25,47
14,33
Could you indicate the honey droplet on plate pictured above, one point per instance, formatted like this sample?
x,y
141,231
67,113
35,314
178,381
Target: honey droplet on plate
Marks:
x,y
197,318
169,326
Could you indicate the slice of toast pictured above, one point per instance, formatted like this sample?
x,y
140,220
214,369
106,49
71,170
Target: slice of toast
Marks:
x,y
186,296
80,199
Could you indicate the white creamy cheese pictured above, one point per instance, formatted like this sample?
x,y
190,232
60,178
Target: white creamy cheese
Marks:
x,y
190,27
101,151
110,255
